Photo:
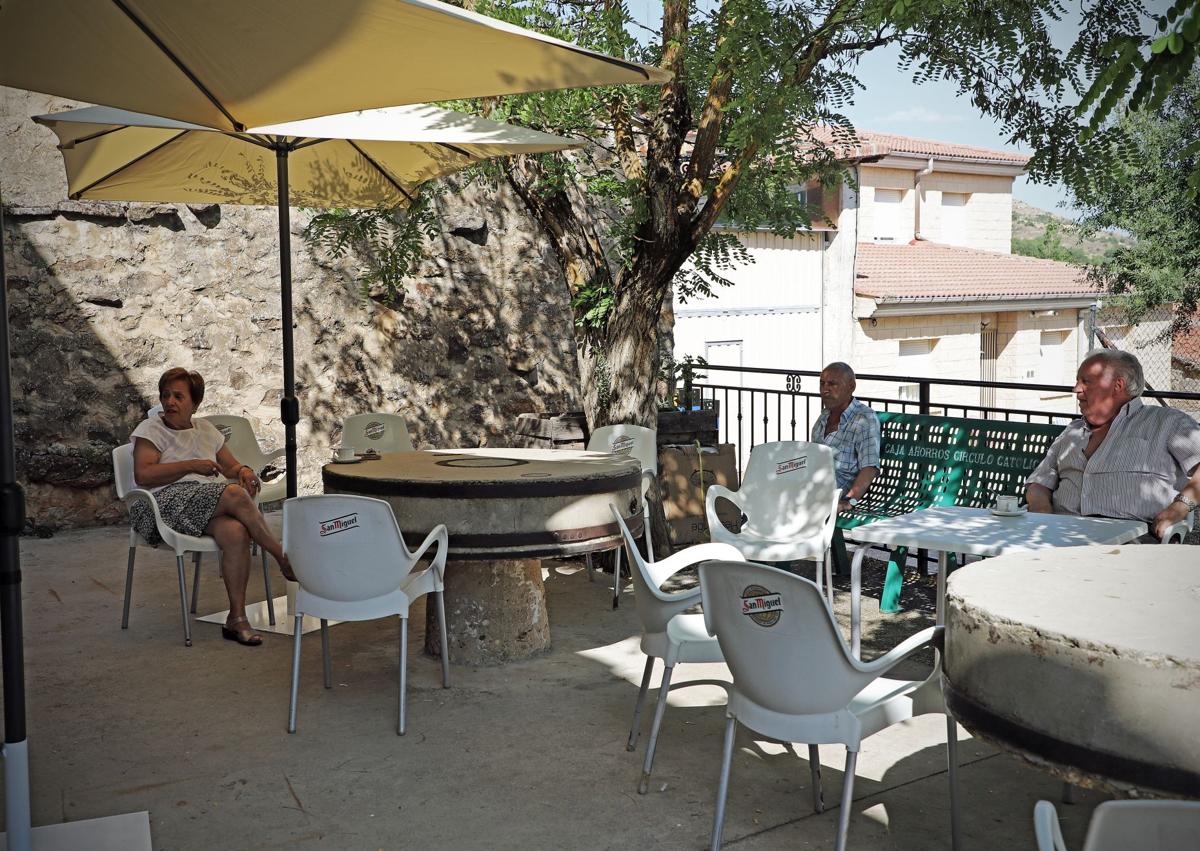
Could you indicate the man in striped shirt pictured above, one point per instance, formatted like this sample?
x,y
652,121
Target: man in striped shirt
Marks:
x,y
851,430
1123,458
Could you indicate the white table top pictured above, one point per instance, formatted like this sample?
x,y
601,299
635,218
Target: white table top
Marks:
x,y
977,531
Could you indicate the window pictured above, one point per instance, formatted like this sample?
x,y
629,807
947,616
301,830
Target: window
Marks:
x,y
954,218
916,361
1052,359
888,212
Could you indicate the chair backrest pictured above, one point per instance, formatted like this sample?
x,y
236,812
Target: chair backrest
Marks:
x,y
381,432
648,577
343,547
779,638
788,489
635,441
122,458
240,438
1145,825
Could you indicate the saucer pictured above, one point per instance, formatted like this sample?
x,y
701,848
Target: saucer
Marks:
x,y
1017,513
347,461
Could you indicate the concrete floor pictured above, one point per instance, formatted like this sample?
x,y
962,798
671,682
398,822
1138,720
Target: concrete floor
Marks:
x,y
530,755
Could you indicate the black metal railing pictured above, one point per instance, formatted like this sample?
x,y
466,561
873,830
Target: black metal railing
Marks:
x,y
752,415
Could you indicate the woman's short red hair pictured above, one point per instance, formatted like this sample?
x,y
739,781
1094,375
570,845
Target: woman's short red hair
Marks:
x,y
195,382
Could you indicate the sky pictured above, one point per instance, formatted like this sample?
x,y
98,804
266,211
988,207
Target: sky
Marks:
x,y
893,103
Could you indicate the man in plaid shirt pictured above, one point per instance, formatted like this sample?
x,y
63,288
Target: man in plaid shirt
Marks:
x,y
851,430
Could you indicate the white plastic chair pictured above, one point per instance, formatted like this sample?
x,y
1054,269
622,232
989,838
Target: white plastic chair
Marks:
x,y
352,564
1126,825
641,444
789,499
795,680
381,432
667,633
180,544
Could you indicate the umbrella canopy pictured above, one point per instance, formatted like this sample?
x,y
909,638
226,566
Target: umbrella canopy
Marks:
x,y
234,64
373,158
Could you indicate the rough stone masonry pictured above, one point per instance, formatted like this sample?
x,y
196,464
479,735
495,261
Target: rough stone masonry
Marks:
x,y
104,297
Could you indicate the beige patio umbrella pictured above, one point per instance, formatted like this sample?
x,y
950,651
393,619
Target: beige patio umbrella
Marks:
x,y
235,64
362,159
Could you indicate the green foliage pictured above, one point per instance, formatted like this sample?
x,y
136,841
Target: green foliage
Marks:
x,y
1147,198
592,304
389,241
1049,246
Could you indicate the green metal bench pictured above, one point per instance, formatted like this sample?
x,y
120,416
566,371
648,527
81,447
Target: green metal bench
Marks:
x,y
926,461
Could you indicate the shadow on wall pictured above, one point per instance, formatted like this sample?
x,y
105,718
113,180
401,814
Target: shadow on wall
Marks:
x,y
106,296
483,334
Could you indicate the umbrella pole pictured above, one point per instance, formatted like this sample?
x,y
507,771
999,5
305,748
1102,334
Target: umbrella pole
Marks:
x,y
12,519
289,407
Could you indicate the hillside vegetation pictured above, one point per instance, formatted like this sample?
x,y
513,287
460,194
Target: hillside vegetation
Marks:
x,y
1040,233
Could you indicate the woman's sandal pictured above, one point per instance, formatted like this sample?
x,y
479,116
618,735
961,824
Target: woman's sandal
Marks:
x,y
247,637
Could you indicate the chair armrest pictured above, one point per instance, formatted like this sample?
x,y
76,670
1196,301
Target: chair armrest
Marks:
x,y
145,496
648,479
714,493
1045,827
438,535
275,453
1179,530
930,636
661,571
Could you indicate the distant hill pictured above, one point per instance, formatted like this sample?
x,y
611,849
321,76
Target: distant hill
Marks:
x,y
1030,225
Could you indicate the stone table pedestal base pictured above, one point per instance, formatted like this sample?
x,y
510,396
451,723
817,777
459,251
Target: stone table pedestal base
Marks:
x,y
495,612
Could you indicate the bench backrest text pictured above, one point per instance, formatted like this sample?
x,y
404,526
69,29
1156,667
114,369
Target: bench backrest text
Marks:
x,y
930,460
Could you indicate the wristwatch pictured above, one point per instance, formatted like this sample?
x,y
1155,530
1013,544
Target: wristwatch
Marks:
x,y
853,501
1179,497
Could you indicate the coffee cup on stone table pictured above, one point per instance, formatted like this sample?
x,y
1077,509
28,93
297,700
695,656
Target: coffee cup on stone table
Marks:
x,y
345,453
1006,503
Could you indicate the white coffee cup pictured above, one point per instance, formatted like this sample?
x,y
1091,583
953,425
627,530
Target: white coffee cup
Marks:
x,y
1006,503
344,453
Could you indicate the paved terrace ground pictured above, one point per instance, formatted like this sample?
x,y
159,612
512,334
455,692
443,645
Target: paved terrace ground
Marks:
x,y
530,755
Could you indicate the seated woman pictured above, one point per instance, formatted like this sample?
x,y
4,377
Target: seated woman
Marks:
x,y
185,464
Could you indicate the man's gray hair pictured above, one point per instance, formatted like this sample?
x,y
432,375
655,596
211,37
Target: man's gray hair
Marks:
x,y
843,368
1125,365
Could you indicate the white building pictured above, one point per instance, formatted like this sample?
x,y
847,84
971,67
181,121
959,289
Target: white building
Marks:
x,y
916,278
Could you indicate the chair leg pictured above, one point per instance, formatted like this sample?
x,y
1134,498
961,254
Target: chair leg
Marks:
x,y
659,709
635,728
847,800
400,721
814,768
587,559
617,579
829,576
195,581
267,587
128,588
183,603
723,783
295,673
326,659
441,604
952,765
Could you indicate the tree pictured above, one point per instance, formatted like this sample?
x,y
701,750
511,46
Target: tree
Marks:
x,y
753,112
1148,198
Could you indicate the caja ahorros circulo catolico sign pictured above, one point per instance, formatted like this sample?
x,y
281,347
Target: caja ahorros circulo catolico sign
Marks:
x,y
763,607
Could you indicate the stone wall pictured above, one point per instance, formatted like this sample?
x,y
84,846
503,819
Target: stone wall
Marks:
x,y
104,297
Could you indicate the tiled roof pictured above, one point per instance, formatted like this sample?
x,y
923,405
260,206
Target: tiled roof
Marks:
x,y
869,144
927,271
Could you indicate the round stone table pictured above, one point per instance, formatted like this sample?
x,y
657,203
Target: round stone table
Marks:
x,y
504,510
1085,661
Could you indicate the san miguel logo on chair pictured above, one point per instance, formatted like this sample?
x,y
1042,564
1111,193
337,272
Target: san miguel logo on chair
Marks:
x,y
339,524
622,445
763,607
226,431
374,430
791,466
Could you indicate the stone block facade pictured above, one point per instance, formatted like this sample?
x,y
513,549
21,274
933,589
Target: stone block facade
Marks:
x,y
104,297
